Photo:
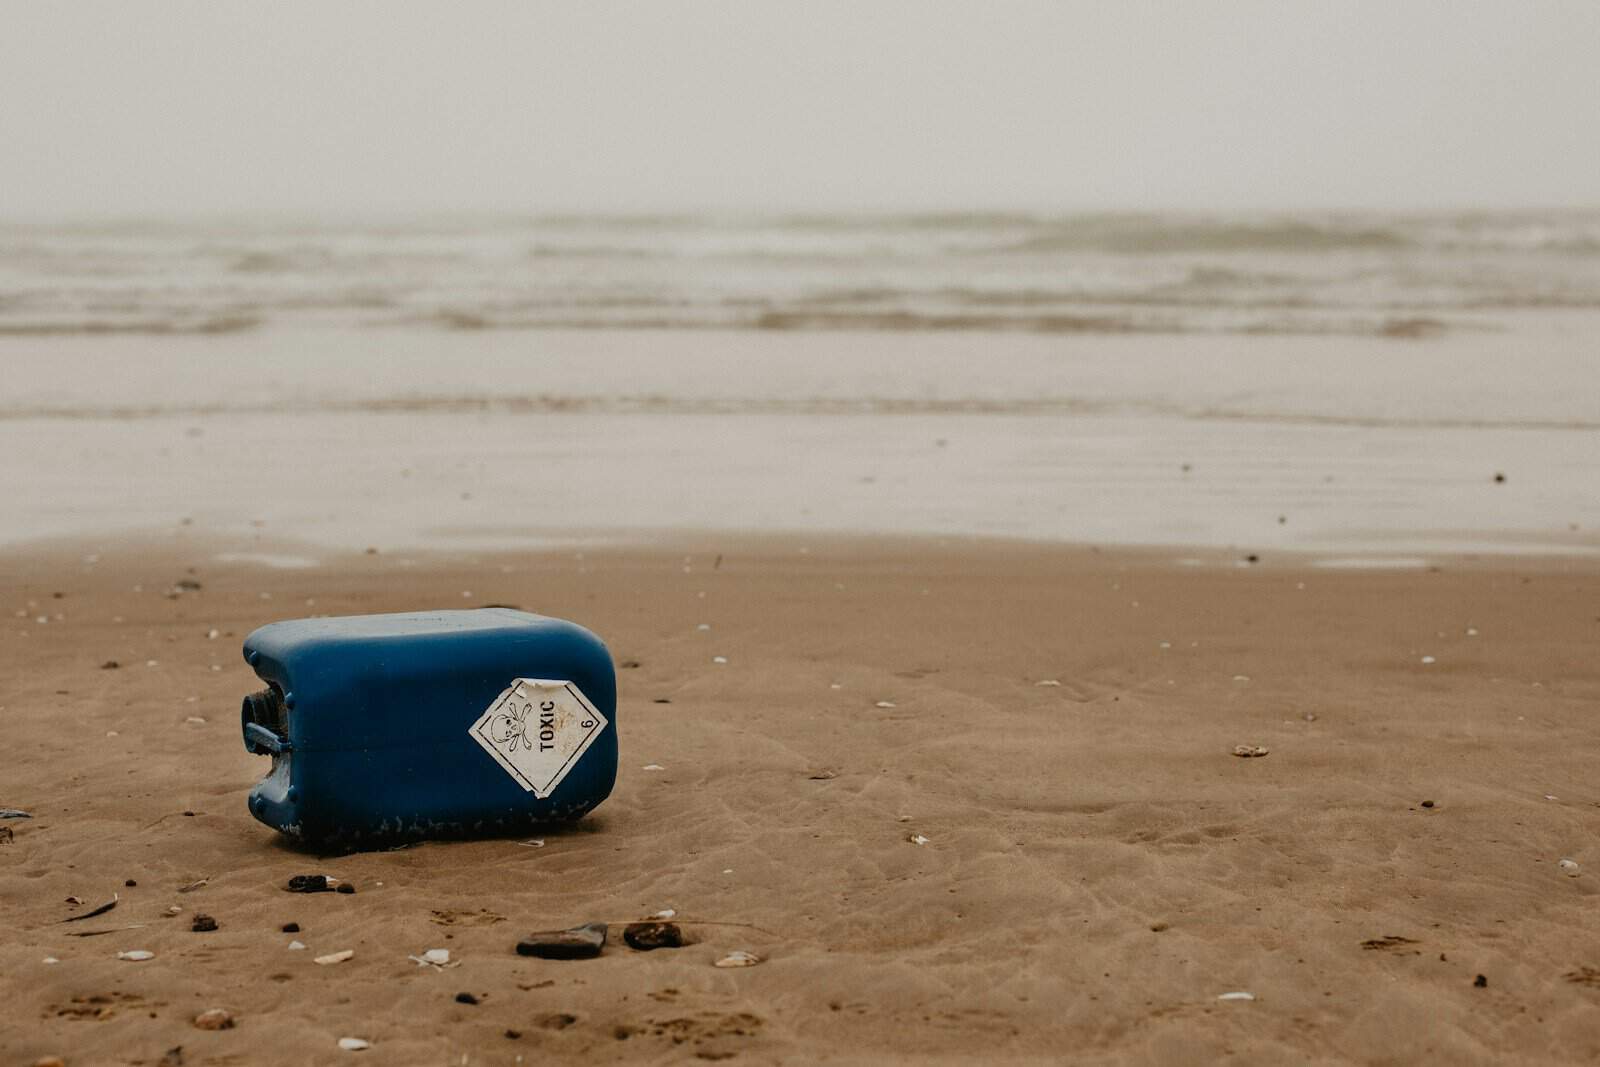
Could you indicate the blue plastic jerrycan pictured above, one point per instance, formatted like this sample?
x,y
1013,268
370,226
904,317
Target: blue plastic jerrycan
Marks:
x,y
389,728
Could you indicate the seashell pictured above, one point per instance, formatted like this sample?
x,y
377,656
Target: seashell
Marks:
x,y
739,959
214,1019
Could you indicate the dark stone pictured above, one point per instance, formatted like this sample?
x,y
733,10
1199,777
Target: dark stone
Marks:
x,y
1427,803
513,1034
110,665
130,883
309,883
346,887
647,936
1480,982
580,943
291,928
203,923
466,998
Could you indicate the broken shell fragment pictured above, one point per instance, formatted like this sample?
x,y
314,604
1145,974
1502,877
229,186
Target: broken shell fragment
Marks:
x,y
1569,868
354,1044
739,959
297,946
917,839
1249,751
652,935
336,957
214,1019
136,955
1240,995
203,923
579,943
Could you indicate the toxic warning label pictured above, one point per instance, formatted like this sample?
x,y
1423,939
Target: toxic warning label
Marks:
x,y
538,730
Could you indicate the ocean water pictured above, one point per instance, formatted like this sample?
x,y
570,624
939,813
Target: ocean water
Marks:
x,y
1398,276
1343,384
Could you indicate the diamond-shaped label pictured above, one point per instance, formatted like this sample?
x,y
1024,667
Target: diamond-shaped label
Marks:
x,y
538,730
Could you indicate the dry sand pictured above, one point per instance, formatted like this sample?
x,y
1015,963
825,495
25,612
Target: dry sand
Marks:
x,y
1098,867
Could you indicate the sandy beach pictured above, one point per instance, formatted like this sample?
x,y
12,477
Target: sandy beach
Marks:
x,y
1057,723
1094,510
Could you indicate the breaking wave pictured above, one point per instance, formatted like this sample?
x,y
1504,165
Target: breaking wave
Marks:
x,y
1359,274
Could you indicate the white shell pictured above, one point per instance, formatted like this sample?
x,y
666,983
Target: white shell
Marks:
x,y
353,1044
336,957
136,955
1241,995
739,959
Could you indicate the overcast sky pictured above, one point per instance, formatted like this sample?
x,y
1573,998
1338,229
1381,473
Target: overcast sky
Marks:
x,y
116,108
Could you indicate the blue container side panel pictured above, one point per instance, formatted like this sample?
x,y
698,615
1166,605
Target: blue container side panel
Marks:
x,y
379,718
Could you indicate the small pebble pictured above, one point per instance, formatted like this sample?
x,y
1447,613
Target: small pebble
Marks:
x,y
739,959
579,943
1427,803
1429,659
1569,868
130,883
345,887
1480,982
466,998
214,1019
652,935
1249,751
291,928
311,883
203,923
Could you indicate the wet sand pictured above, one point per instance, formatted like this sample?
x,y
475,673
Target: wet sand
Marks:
x,y
1098,867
